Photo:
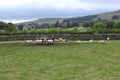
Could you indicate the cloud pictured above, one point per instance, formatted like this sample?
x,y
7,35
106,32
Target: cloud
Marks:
x,y
102,4
54,8
59,4
42,4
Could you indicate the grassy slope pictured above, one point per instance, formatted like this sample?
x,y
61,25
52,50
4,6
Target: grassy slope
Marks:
x,y
96,17
93,61
44,20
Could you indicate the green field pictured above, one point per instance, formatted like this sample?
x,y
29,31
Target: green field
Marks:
x,y
73,61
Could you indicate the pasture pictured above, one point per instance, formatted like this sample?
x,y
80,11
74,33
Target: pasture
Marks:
x,y
72,61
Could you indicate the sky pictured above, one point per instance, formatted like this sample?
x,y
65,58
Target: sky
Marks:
x,y
23,10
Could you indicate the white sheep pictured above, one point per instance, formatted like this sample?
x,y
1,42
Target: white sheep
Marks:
x,y
102,41
108,38
49,41
85,41
38,41
90,41
62,40
78,41
56,40
28,41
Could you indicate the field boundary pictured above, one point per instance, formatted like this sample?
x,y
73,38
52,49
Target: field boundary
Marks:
x,y
66,36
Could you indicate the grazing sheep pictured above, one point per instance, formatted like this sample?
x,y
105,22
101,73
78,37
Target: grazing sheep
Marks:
x,y
85,41
62,40
90,40
56,40
28,41
102,41
108,38
78,41
49,41
38,41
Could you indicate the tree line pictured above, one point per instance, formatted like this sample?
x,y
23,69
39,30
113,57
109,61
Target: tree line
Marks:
x,y
103,26
7,27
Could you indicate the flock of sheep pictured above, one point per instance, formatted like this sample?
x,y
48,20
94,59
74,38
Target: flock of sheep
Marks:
x,y
90,41
45,41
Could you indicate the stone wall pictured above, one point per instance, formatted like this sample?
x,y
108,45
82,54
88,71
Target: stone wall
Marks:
x,y
67,36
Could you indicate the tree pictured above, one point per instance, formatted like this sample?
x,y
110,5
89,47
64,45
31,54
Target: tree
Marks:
x,y
20,27
117,25
3,25
74,24
88,24
63,25
10,27
44,25
99,27
115,17
68,25
109,24
56,24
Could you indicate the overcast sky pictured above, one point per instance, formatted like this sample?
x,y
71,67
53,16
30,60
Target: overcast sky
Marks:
x,y
33,9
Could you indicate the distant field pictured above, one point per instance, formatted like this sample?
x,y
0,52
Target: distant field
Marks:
x,y
73,61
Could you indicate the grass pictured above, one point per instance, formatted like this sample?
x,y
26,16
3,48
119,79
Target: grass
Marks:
x,y
74,61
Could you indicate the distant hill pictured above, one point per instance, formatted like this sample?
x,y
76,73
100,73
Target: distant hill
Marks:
x,y
40,22
44,20
114,16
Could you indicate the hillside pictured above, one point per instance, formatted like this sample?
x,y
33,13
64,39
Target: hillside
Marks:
x,y
46,22
115,15
40,23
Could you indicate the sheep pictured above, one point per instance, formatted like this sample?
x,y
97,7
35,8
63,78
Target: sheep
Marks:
x,y
108,38
91,40
62,40
102,41
85,41
56,40
38,41
28,41
78,41
49,41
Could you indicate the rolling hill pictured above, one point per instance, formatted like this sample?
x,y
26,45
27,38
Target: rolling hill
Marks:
x,y
111,16
44,20
115,15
